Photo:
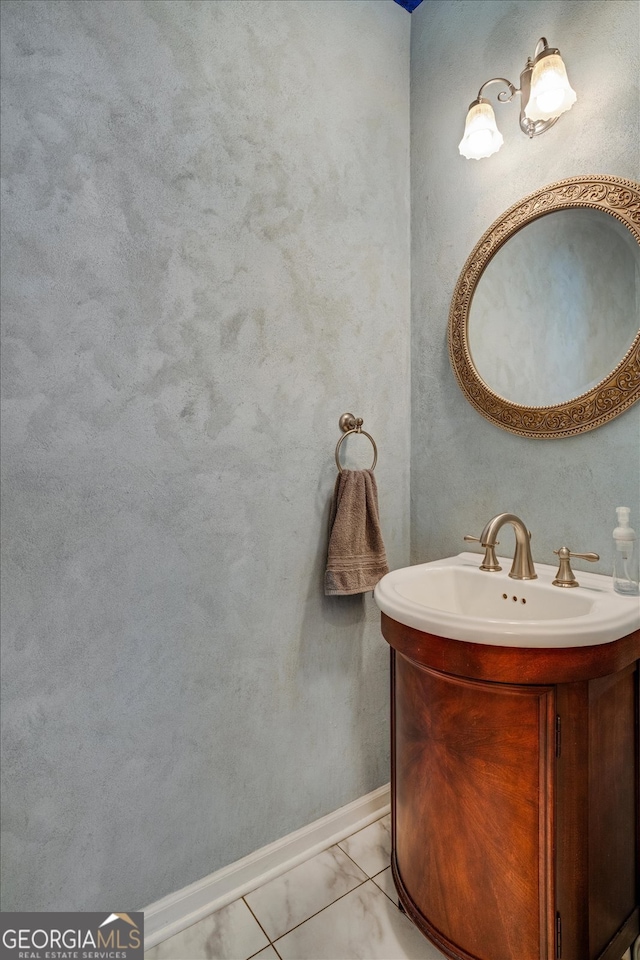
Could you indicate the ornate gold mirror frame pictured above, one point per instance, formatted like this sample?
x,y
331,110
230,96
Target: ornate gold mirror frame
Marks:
x,y
619,389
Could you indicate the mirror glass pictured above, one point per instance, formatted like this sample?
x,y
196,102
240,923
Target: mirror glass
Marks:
x,y
556,308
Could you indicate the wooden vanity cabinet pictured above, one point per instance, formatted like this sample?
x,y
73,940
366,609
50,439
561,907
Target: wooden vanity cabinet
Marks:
x,y
515,796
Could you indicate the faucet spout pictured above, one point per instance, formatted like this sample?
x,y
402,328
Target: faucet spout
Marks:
x,y
522,567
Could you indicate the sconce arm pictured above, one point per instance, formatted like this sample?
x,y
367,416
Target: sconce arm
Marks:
x,y
539,48
505,95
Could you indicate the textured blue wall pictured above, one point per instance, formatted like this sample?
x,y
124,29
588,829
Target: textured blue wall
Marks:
x,y
205,263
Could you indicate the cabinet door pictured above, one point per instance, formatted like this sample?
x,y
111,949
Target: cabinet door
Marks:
x,y
597,816
473,811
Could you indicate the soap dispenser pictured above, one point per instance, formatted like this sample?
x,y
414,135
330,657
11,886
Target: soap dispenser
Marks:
x,y
626,569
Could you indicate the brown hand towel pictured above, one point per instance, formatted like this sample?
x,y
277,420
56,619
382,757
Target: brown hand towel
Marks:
x,y
357,557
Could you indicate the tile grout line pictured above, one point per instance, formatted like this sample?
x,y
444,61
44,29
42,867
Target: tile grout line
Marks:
x,y
259,951
361,884
259,924
254,955
380,872
355,861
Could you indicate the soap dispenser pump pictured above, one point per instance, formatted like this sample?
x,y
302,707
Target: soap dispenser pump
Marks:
x,y
626,568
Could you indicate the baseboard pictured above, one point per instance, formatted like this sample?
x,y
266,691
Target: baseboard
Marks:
x,y
181,909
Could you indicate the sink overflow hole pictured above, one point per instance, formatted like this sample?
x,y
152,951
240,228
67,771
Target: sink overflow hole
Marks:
x,y
515,599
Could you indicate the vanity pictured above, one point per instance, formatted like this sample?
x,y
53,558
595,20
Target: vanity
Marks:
x,y
515,696
515,761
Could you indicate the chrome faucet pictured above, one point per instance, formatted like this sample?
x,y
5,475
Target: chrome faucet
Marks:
x,y
522,567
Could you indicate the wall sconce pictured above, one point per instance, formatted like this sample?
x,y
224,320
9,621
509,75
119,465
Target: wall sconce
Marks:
x,y
545,93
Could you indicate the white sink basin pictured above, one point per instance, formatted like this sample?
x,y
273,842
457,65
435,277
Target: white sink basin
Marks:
x,y
454,598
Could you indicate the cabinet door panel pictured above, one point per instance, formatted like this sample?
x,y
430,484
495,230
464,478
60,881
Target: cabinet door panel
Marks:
x,y
612,806
473,809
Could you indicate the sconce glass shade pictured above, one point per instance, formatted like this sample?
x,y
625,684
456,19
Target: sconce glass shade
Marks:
x,y
551,93
481,135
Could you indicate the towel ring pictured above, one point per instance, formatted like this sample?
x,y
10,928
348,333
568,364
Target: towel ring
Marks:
x,y
350,424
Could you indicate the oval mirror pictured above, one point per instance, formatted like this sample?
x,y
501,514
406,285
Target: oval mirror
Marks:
x,y
543,328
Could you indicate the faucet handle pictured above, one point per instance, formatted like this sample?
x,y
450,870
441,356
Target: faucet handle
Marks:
x,y
565,576
592,557
490,562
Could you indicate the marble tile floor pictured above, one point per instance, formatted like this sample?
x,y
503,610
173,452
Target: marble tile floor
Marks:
x,y
339,905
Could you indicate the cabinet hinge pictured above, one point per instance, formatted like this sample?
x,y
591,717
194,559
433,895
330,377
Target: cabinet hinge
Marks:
x,y
558,936
558,735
